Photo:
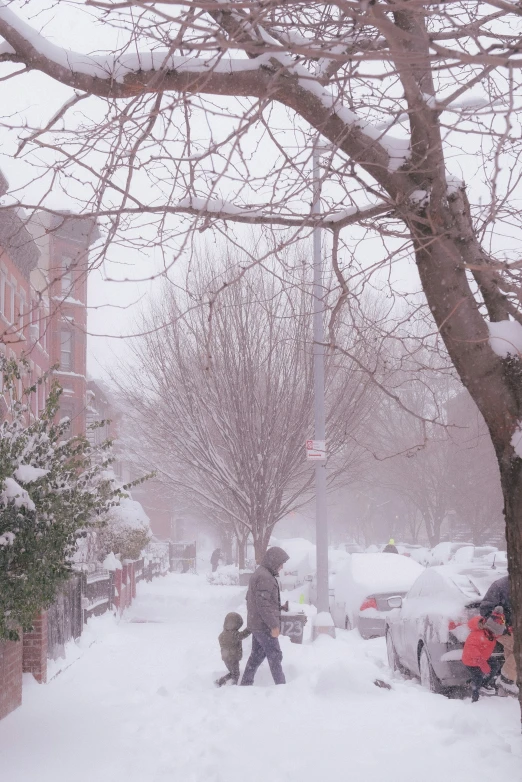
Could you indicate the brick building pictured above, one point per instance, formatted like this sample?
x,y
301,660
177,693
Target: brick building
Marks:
x,y
61,278
43,317
23,315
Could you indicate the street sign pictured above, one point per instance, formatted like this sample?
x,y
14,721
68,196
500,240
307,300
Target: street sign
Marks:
x,y
315,450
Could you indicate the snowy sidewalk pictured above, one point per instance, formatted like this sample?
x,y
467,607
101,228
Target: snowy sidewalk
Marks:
x,y
140,705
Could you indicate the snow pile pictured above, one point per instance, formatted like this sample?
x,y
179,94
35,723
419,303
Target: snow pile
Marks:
x,y
505,337
323,619
225,575
111,562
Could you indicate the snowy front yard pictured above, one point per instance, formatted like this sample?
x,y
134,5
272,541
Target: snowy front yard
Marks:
x,y
140,704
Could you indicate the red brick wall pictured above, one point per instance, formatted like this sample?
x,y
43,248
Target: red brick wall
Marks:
x,y
10,677
35,649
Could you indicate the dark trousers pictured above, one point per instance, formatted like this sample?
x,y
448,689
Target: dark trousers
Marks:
x,y
264,646
479,679
232,675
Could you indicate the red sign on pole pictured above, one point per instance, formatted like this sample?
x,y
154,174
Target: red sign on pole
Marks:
x,y
316,450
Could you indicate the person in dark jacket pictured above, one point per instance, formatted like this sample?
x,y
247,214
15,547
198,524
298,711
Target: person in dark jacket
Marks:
x,y
264,617
498,595
390,547
214,559
231,644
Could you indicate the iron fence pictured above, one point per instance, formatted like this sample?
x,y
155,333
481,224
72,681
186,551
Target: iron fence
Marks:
x,y
65,617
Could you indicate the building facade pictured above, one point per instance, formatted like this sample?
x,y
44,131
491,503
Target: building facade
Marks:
x,y
43,302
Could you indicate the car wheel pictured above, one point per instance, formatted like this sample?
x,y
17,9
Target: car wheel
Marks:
x,y
427,674
393,659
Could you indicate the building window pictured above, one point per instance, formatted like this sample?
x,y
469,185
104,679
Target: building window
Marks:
x,y
22,311
67,278
9,295
66,344
67,411
3,282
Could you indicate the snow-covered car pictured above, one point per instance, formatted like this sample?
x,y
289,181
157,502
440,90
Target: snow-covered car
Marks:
x,y
495,559
337,559
415,551
443,553
426,630
363,586
301,562
353,548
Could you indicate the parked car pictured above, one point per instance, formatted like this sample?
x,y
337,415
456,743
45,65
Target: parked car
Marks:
x,y
415,551
362,588
353,548
497,559
301,562
443,553
425,632
337,559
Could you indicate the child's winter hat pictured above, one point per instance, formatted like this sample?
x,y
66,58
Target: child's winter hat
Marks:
x,y
496,623
233,621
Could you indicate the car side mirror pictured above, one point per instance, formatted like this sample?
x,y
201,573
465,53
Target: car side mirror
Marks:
x,y
395,602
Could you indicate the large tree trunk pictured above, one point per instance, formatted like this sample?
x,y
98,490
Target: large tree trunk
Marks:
x,y
241,550
443,246
511,478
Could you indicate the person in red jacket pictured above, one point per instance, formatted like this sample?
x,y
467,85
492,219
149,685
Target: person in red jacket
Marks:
x,y
479,647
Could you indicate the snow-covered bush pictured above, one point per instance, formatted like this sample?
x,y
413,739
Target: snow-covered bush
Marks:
x,y
51,489
125,531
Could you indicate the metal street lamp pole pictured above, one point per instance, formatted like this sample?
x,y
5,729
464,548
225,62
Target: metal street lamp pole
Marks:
x,y
321,521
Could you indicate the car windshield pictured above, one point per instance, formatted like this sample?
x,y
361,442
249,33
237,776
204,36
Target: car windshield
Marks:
x,y
474,582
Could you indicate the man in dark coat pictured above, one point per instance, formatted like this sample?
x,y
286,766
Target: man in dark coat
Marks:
x,y
214,559
264,617
498,595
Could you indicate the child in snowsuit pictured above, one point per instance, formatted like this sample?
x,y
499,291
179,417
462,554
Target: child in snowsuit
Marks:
x,y
479,647
231,643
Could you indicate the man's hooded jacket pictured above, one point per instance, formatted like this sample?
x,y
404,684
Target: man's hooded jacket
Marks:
x,y
263,598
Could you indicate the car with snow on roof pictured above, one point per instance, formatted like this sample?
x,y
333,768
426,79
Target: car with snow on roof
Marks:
x,y
426,629
362,587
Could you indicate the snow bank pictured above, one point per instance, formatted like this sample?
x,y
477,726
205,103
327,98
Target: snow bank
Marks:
x,y
505,338
225,575
141,702
323,619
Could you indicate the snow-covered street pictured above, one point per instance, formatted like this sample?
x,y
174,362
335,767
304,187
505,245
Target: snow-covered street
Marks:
x,y
140,704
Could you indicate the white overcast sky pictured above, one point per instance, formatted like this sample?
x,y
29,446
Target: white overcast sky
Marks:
x,y
114,306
